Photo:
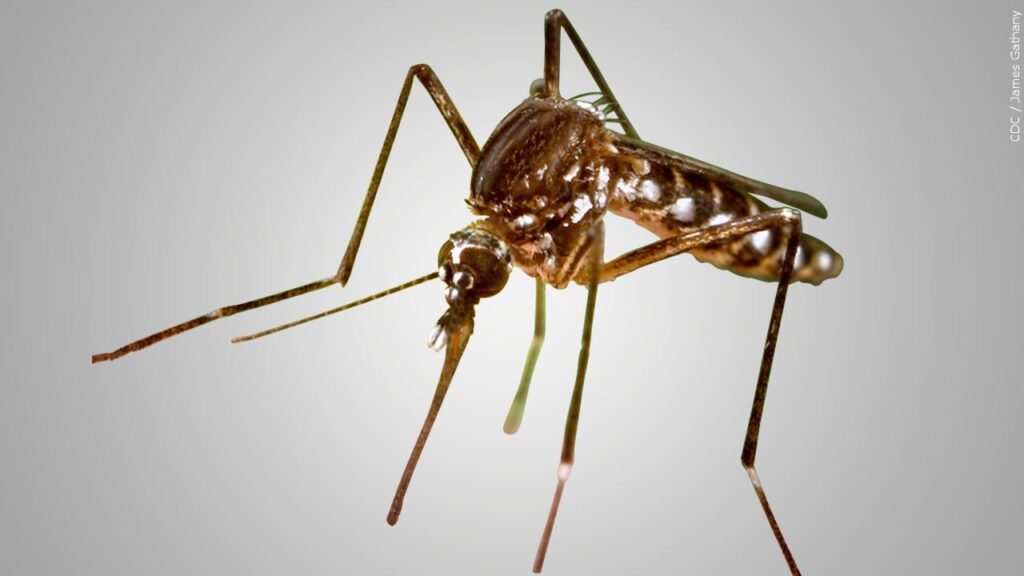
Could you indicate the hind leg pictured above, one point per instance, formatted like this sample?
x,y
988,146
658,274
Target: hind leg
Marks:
x,y
784,219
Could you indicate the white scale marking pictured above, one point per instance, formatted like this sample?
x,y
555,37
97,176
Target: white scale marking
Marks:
x,y
650,190
683,210
571,174
824,261
720,219
760,241
603,175
627,189
581,205
798,260
525,221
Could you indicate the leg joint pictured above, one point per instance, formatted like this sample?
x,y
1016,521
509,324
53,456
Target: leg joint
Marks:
x,y
420,70
555,16
790,216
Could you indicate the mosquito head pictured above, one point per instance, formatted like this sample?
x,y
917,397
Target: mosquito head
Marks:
x,y
474,263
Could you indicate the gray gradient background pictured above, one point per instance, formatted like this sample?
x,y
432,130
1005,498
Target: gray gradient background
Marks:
x,y
160,160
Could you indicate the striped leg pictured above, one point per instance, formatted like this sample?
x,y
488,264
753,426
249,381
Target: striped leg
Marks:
x,y
572,420
554,22
463,136
515,411
784,219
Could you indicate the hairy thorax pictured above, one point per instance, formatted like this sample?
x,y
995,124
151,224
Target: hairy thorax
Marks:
x,y
542,182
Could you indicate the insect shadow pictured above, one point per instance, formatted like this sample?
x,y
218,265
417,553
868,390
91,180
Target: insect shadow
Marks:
x,y
542,184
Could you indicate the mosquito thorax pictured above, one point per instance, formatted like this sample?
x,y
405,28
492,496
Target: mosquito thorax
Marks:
x,y
535,163
542,183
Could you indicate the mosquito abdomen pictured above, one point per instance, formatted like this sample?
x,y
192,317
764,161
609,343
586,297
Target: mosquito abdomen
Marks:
x,y
669,200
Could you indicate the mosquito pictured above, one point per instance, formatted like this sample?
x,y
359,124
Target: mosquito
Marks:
x,y
541,186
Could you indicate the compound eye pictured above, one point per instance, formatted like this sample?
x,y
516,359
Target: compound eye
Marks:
x,y
444,267
481,272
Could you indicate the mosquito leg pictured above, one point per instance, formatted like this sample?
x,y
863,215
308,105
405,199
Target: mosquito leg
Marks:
x,y
554,22
781,219
462,135
210,317
573,419
451,115
515,412
753,428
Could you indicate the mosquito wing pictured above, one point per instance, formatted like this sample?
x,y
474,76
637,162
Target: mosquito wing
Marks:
x,y
799,200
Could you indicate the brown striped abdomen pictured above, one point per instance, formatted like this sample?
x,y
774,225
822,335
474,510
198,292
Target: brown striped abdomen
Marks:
x,y
669,200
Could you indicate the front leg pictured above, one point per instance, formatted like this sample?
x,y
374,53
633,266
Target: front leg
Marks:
x,y
515,411
594,256
554,22
463,136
